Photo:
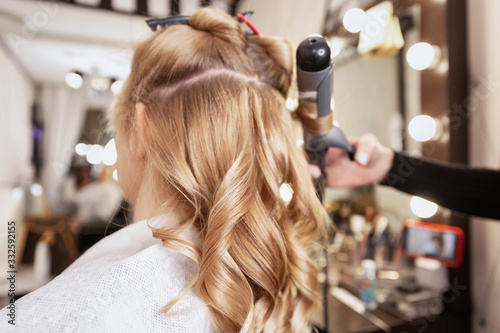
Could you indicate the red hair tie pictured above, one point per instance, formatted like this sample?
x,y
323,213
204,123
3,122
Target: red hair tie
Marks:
x,y
248,23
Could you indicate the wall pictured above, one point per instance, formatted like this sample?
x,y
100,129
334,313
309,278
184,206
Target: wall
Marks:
x,y
292,19
16,99
484,66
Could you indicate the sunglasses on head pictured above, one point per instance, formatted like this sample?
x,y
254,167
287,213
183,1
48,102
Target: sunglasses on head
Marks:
x,y
172,20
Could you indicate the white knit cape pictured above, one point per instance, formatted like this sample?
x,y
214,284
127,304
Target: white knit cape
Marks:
x,y
118,285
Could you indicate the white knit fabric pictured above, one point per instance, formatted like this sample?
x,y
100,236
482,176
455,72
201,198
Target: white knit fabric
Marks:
x,y
118,285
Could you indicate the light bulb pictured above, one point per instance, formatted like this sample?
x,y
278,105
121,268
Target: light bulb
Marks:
x,y
336,45
81,149
422,128
74,80
116,86
354,19
423,208
36,189
95,154
422,55
17,193
99,83
109,155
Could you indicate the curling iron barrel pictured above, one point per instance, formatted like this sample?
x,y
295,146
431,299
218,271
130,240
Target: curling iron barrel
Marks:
x,y
315,73
315,84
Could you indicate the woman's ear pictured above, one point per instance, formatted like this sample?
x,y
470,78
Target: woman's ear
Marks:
x,y
141,129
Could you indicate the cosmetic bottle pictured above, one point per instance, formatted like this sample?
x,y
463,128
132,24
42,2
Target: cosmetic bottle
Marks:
x,y
368,284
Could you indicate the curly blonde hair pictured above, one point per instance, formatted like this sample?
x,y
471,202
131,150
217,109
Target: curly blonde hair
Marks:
x,y
219,144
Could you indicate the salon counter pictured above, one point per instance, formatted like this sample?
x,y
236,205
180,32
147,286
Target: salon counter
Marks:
x,y
343,319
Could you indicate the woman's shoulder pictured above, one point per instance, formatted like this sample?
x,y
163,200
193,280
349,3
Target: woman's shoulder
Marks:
x,y
119,292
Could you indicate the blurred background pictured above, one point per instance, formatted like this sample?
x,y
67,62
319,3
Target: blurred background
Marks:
x,y
423,76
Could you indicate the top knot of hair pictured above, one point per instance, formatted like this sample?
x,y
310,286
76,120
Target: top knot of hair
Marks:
x,y
220,24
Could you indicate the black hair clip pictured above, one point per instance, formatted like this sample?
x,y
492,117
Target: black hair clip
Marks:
x,y
172,20
154,22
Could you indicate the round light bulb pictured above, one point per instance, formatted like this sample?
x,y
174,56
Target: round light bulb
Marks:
x,y
115,175
420,56
99,83
422,128
17,193
74,80
109,155
36,189
95,154
423,208
354,19
116,86
81,149
335,47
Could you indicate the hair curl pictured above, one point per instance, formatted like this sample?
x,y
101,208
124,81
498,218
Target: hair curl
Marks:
x,y
219,144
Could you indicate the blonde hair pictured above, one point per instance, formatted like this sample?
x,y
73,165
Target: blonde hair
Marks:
x,y
219,144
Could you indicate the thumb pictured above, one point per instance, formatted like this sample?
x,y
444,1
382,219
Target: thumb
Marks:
x,y
365,147
314,171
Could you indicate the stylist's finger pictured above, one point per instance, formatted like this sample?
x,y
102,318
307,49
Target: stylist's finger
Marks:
x,y
364,149
315,171
352,140
334,155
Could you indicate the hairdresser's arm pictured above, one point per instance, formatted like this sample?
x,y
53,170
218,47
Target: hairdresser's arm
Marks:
x,y
470,191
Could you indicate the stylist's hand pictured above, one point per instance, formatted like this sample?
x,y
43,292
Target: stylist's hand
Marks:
x,y
371,163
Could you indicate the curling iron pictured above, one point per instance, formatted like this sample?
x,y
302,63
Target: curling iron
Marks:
x,y
315,84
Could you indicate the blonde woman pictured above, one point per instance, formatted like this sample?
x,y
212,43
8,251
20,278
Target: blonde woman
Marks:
x,y
204,144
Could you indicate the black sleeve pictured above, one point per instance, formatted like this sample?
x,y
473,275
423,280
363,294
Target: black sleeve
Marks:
x,y
470,191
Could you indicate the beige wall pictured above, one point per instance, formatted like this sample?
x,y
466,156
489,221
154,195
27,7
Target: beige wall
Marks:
x,y
16,99
292,19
